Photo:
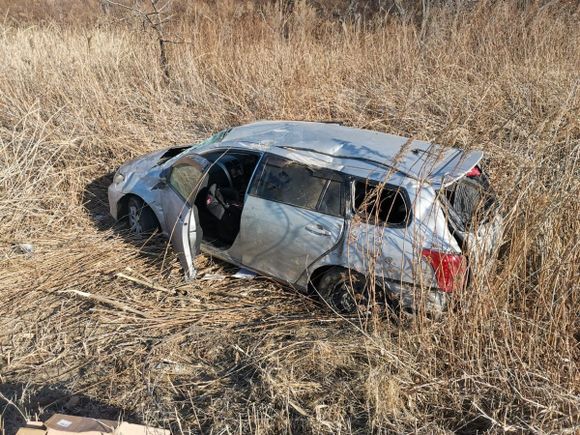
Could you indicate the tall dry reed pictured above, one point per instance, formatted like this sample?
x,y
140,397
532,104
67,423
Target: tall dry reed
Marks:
x,y
230,356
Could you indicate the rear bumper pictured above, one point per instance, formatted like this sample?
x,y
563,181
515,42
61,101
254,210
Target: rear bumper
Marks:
x,y
430,300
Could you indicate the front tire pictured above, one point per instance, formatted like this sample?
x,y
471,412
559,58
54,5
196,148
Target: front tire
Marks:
x,y
140,218
344,291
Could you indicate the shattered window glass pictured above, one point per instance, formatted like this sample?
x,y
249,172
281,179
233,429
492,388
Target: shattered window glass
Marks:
x,y
289,182
472,200
218,137
380,205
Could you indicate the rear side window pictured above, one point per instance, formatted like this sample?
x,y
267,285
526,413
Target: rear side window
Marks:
x,y
291,183
378,204
332,199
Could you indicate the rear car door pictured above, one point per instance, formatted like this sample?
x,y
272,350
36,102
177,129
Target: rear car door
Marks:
x,y
183,180
293,215
380,240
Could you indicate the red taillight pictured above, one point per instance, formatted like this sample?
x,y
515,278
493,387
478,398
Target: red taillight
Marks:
x,y
474,172
449,269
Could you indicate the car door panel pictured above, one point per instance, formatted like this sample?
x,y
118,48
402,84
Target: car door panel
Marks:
x,y
185,234
380,250
180,213
284,240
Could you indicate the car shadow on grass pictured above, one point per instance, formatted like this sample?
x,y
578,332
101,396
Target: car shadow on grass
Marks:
x,y
153,249
20,402
96,203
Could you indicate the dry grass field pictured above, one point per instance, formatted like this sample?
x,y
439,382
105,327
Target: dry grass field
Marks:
x,y
79,98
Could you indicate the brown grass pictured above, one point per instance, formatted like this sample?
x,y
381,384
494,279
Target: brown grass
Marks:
x,y
239,357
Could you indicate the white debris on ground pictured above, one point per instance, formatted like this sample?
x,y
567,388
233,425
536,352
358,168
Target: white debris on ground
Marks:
x,y
244,274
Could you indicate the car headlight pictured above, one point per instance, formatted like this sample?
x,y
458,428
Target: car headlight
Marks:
x,y
119,178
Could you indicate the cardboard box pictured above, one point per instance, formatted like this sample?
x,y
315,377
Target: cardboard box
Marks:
x,y
138,429
61,424
32,428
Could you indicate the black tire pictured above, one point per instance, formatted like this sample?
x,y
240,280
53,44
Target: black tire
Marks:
x,y
140,218
343,290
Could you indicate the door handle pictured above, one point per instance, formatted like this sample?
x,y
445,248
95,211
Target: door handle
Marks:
x,y
319,230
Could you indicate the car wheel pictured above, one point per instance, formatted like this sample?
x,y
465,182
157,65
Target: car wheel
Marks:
x,y
343,290
140,218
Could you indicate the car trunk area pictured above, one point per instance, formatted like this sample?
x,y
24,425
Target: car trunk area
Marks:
x,y
469,203
472,210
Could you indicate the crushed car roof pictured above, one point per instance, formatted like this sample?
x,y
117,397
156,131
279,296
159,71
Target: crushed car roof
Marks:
x,y
358,152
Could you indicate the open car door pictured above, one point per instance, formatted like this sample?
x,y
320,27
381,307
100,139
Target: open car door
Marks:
x,y
184,180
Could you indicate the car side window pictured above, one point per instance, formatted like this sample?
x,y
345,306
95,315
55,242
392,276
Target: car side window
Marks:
x,y
378,204
184,178
285,181
332,202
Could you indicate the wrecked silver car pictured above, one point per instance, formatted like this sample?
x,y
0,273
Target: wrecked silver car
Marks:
x,y
348,213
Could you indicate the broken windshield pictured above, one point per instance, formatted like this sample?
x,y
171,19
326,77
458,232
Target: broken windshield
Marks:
x,y
218,137
469,201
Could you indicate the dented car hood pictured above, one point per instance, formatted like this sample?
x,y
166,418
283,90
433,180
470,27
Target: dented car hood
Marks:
x,y
142,164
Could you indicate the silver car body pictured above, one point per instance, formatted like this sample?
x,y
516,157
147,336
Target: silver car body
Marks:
x,y
291,243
